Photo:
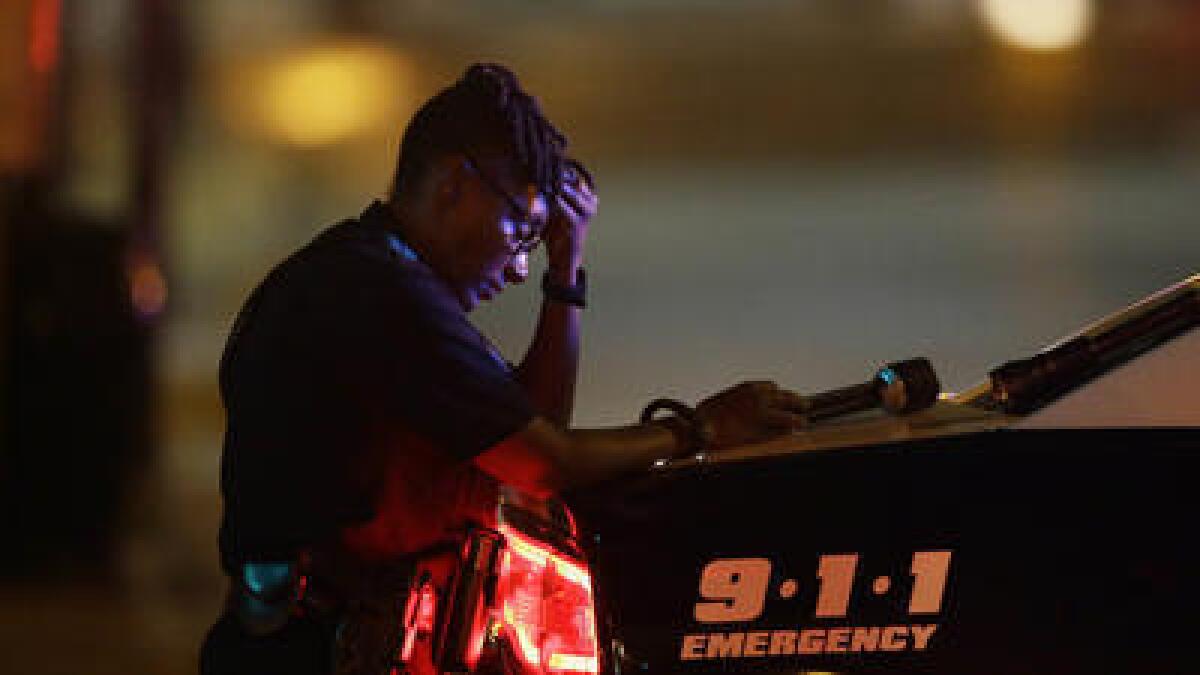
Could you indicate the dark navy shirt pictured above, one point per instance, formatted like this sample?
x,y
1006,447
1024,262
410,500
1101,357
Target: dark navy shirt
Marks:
x,y
356,393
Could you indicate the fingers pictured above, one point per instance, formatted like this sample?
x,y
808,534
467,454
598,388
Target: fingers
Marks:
x,y
777,396
754,411
576,207
575,172
577,197
793,402
572,210
780,408
567,207
762,388
775,418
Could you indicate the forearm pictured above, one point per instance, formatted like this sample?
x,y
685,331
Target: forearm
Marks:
x,y
549,371
599,454
545,458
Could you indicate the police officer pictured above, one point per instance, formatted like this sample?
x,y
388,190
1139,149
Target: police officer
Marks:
x,y
367,418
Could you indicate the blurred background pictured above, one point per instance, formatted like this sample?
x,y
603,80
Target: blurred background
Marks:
x,y
790,189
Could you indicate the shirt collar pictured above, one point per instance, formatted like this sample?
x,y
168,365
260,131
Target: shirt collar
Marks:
x,y
378,216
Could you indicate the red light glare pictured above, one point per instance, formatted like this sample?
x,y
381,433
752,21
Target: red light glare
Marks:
x,y
546,606
147,288
419,614
43,35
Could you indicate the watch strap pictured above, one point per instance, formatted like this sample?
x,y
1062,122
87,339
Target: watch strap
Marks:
x,y
572,295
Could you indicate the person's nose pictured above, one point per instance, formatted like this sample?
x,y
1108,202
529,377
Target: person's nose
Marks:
x,y
517,269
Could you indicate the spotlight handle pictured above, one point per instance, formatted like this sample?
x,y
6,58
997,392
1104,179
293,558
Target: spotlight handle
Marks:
x,y
838,402
899,388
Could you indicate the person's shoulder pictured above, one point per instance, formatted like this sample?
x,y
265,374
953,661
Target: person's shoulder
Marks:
x,y
375,260
354,267
345,241
335,257
356,244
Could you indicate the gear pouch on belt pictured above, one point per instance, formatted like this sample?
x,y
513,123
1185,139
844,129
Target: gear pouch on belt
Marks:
x,y
267,596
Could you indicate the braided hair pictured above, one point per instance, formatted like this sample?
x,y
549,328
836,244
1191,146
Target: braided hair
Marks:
x,y
486,112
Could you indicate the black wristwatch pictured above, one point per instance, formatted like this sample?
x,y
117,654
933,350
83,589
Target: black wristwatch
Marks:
x,y
572,295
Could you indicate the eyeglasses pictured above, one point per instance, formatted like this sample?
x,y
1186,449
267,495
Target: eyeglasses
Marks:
x,y
530,234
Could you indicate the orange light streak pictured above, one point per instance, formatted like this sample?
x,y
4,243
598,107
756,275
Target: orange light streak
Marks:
x,y
147,288
43,35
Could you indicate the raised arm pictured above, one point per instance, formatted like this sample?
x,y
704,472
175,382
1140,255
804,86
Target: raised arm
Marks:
x,y
551,365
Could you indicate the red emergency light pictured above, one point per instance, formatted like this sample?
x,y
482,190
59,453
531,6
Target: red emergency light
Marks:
x,y
544,606
419,614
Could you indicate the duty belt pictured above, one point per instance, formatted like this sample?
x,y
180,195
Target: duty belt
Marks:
x,y
365,604
325,586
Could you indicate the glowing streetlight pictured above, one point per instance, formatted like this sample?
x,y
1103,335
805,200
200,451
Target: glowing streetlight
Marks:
x,y
1041,25
324,94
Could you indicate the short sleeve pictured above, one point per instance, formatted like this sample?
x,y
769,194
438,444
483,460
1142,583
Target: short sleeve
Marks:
x,y
452,386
